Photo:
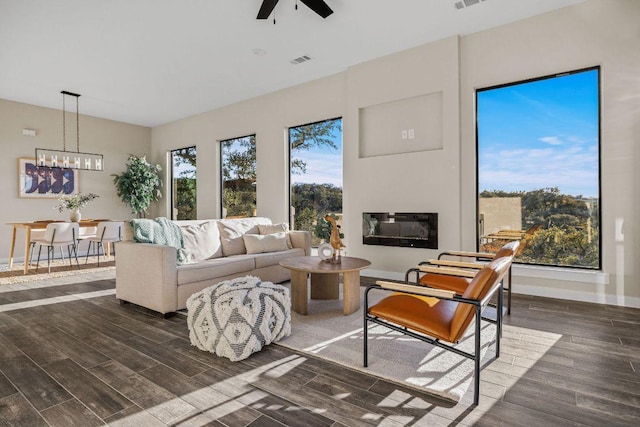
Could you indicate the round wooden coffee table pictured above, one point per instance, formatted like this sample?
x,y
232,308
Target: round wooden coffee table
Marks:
x,y
325,281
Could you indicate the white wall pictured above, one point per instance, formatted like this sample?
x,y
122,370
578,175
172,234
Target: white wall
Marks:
x,y
268,117
115,140
426,181
597,32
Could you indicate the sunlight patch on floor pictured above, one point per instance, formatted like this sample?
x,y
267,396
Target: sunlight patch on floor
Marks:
x,y
55,300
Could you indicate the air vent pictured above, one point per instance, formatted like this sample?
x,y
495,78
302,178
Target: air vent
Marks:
x,y
300,59
461,4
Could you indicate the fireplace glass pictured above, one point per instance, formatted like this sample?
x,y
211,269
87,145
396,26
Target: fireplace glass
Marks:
x,y
409,230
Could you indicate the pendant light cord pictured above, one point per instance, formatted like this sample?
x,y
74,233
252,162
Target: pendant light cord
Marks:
x,y
64,121
64,127
78,123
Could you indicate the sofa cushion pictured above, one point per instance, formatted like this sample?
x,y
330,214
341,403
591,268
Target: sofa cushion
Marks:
x,y
212,268
273,258
231,232
276,228
257,244
201,241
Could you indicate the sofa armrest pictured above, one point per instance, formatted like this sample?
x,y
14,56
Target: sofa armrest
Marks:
x,y
301,239
146,275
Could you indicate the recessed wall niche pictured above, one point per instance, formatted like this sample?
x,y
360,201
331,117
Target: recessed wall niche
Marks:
x,y
403,126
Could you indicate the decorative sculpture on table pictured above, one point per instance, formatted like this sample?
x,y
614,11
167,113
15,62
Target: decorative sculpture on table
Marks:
x,y
335,240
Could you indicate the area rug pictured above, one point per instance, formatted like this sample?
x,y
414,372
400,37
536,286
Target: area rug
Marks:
x,y
58,269
327,333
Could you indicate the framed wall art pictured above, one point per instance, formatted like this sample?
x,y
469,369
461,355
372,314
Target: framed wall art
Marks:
x,y
45,181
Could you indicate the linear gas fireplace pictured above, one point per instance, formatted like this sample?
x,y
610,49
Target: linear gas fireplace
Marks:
x,y
410,230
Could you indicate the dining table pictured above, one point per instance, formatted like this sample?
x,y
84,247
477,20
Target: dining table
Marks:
x,y
28,226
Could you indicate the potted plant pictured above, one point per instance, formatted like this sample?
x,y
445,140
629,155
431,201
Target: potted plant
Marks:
x,y
74,204
139,185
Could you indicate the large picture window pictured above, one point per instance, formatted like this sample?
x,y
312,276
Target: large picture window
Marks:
x,y
183,183
538,157
238,156
315,174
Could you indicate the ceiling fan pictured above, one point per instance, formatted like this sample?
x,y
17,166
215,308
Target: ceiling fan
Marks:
x,y
318,6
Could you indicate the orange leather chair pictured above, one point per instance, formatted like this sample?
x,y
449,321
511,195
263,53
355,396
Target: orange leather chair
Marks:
x,y
436,315
455,275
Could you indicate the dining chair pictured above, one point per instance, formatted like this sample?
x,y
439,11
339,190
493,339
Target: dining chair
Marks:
x,y
58,234
107,232
36,235
439,317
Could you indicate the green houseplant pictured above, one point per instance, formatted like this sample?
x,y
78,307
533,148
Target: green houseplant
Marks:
x,y
139,185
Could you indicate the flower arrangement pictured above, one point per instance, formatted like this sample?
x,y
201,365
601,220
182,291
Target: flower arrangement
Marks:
x,y
74,202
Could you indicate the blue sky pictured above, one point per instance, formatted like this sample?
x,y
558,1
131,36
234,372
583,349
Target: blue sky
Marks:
x,y
324,164
540,134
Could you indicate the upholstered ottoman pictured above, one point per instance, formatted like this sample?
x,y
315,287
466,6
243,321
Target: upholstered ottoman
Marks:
x,y
237,317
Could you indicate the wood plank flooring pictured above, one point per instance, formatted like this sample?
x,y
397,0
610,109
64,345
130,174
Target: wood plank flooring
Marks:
x,y
90,362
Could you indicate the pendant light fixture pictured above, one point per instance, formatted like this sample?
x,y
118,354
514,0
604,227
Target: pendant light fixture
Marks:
x,y
69,159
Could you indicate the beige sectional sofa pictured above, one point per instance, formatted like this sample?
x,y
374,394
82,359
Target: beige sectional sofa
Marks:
x,y
150,276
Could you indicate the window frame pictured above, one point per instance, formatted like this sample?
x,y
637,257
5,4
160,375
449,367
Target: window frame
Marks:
x,y
172,177
289,158
599,134
221,165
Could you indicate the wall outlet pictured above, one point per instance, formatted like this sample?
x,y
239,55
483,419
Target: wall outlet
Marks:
x,y
404,134
411,134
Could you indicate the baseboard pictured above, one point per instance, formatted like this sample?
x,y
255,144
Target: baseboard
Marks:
x,y
619,300
20,260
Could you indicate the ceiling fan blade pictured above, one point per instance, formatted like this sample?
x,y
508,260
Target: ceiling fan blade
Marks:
x,y
319,7
266,8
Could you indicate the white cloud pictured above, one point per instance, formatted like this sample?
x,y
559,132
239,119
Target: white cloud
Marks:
x,y
322,168
551,140
572,168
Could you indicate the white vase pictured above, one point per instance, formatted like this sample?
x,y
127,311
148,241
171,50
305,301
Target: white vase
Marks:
x,y
75,215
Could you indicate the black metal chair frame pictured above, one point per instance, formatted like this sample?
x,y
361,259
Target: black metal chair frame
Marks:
x,y
417,271
478,306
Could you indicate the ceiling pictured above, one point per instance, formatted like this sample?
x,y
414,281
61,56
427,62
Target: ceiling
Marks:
x,y
150,62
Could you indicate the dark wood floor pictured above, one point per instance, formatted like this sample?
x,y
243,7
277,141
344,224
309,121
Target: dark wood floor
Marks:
x,y
90,361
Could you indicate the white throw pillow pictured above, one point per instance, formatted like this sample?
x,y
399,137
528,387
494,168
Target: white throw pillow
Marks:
x,y
276,228
201,242
258,244
231,232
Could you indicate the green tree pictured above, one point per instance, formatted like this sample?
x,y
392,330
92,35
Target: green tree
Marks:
x,y
184,191
569,227
321,198
239,159
306,218
239,176
185,198
302,138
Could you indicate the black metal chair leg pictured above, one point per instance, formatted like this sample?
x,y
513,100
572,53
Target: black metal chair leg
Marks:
x,y
50,251
33,246
86,259
38,262
366,329
476,385
509,293
499,320
99,244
